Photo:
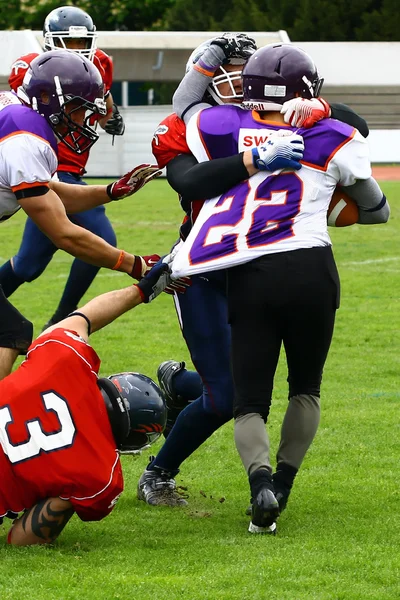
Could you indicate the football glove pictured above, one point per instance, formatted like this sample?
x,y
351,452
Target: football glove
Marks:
x,y
143,264
155,281
178,286
237,45
115,124
279,152
131,182
301,112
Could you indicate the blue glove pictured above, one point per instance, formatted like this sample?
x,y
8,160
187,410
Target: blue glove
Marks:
x,y
155,281
279,152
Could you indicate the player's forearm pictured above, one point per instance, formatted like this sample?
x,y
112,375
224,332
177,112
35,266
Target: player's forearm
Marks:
x,y
344,113
189,94
78,198
92,249
372,205
109,306
198,181
42,523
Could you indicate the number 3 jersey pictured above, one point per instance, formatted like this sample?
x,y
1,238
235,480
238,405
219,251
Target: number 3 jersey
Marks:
x,y
270,212
55,434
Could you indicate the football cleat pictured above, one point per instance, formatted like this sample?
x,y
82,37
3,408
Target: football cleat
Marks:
x,y
165,374
158,488
265,507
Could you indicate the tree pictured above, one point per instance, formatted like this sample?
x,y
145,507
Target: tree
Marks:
x,y
134,15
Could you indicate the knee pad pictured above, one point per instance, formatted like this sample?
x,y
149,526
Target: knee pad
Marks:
x,y
16,331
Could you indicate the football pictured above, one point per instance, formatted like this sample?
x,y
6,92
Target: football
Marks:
x,y
342,211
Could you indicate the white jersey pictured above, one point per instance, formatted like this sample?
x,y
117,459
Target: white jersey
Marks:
x,y
269,212
28,152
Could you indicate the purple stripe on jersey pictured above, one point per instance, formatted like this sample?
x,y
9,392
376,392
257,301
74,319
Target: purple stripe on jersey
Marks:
x,y
220,127
15,118
323,140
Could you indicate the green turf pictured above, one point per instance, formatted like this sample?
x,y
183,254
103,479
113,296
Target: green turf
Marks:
x,y
339,537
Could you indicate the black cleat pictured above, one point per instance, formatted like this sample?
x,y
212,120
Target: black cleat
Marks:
x,y
175,403
265,507
165,374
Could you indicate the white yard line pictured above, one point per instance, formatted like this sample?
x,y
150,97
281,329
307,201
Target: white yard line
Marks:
x,y
372,261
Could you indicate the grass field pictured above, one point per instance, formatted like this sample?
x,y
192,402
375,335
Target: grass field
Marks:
x,y
338,538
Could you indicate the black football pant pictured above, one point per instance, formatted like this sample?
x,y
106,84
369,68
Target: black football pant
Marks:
x,y
290,298
15,330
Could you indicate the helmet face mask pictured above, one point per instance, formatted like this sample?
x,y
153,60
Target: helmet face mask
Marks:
x,y
66,24
277,73
136,410
67,90
227,84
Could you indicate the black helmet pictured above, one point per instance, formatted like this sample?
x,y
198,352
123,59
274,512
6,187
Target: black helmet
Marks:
x,y
136,410
69,22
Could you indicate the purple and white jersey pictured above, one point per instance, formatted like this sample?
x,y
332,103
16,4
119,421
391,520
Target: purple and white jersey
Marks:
x,y
28,151
270,212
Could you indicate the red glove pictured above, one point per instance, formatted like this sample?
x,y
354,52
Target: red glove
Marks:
x,y
300,112
143,264
178,286
131,182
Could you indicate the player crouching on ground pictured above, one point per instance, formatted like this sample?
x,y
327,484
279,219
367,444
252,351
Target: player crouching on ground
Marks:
x,y
62,427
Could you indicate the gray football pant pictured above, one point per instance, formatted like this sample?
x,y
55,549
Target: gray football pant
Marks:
x,y
298,430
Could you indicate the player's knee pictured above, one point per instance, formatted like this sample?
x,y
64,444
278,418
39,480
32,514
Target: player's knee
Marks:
x,y
28,270
218,400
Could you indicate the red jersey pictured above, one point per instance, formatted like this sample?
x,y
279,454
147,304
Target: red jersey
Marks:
x,y
169,140
55,434
68,160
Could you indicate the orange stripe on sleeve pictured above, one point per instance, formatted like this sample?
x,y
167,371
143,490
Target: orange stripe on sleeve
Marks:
x,y
204,71
24,185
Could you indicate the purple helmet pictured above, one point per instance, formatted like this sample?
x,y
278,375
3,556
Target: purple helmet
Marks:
x,y
277,73
59,83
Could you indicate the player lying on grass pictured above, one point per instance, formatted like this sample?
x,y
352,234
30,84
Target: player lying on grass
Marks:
x,y
62,427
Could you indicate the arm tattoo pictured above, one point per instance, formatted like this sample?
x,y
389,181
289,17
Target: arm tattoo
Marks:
x,y
45,522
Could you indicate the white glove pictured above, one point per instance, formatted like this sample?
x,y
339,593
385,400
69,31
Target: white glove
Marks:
x,y
282,150
300,112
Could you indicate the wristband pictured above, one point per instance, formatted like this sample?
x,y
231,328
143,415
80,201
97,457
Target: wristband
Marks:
x,y
119,261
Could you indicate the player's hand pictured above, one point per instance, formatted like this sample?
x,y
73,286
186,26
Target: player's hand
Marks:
x,y
300,112
237,45
115,124
279,152
178,286
143,264
155,281
131,182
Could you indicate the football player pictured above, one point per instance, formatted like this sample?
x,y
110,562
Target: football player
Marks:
x,y
70,28
213,77
282,281
60,93
62,427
